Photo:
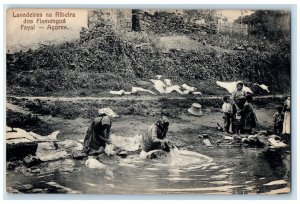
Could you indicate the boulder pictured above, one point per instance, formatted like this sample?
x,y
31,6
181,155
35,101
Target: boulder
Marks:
x,y
78,154
107,159
94,163
26,187
237,138
228,138
218,141
155,154
19,151
37,190
12,165
276,143
252,138
206,140
123,154
245,140
48,151
254,141
109,149
12,190
37,170
276,137
30,161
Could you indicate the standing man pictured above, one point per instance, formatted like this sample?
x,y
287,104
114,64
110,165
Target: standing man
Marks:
x,y
155,136
98,134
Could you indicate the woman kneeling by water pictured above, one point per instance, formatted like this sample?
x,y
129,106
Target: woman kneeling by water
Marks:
x,y
155,136
98,134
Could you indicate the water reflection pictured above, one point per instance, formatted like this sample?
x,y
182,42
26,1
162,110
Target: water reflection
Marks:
x,y
215,171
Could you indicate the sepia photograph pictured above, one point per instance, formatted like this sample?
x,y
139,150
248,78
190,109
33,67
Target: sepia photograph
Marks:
x,y
148,101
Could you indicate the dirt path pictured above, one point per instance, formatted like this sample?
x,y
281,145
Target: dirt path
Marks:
x,y
137,98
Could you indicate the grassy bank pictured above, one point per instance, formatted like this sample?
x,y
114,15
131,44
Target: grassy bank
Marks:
x,y
171,107
108,60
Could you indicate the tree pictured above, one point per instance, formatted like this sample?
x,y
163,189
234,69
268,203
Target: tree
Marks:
x,y
135,20
273,24
242,15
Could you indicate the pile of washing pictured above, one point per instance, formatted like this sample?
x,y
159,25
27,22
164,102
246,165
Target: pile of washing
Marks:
x,y
163,86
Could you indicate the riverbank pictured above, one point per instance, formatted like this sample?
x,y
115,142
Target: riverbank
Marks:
x,y
72,115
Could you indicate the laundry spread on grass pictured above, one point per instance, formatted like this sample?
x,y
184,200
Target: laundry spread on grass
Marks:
x,y
166,86
134,90
231,86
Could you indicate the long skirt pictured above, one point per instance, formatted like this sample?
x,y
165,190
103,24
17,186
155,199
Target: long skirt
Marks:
x,y
287,123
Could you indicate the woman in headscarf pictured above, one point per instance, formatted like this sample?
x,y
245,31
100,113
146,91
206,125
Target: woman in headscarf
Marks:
x,y
248,116
98,134
155,136
239,99
287,116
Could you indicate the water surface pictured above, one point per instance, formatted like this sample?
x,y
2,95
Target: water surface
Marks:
x,y
218,170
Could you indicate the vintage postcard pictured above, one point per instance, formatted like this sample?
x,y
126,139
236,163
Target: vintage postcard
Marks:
x,y
148,101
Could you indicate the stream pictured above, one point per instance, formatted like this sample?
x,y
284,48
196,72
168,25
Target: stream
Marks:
x,y
219,170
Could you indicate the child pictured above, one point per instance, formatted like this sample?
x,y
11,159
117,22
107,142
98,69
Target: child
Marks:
x,y
278,121
248,117
227,110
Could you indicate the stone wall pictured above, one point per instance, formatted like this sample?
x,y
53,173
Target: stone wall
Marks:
x,y
111,18
161,21
157,21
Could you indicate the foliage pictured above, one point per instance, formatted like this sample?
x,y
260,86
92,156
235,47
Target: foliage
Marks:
x,y
105,60
208,15
273,24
